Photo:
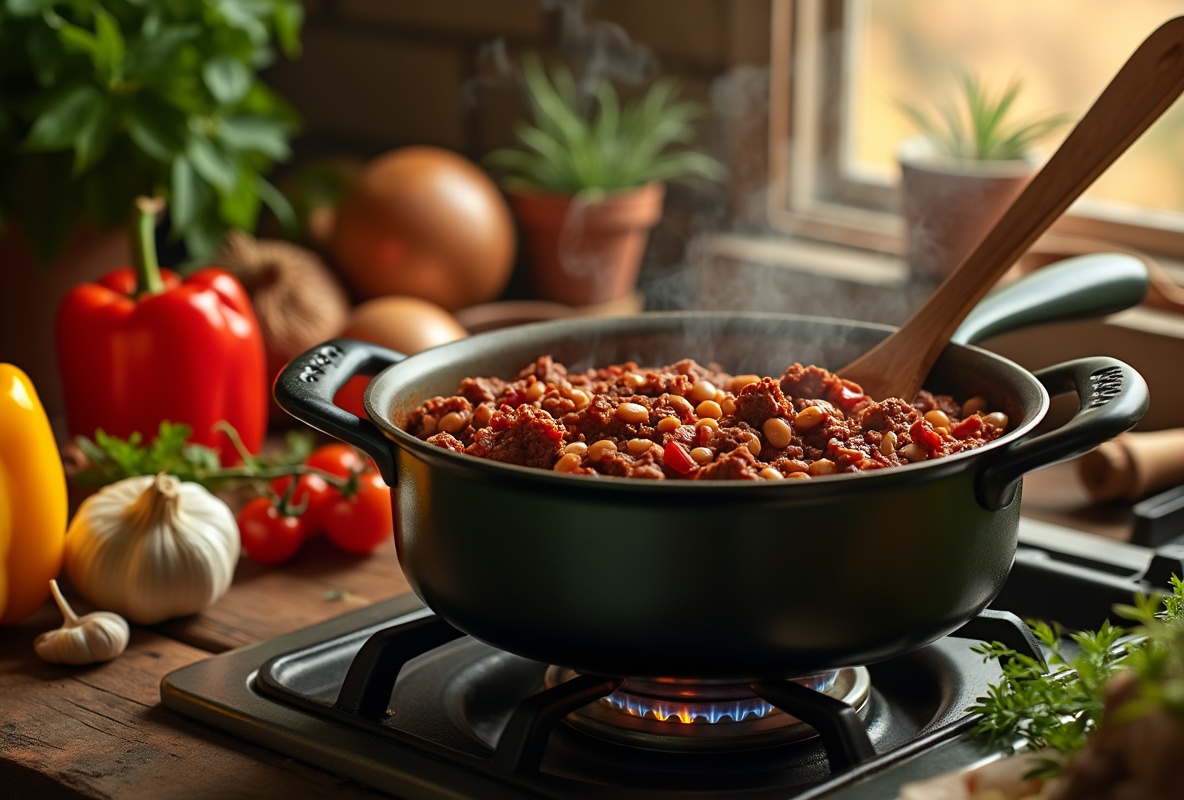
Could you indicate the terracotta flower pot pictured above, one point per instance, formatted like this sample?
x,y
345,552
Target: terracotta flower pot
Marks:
x,y
949,205
586,252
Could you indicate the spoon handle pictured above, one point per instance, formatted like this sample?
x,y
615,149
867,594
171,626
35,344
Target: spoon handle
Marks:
x,y
1148,83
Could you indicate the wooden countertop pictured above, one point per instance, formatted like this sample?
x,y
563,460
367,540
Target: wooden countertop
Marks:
x,y
100,731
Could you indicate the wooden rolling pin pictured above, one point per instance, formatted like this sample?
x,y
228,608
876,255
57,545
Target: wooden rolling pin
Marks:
x,y
1134,465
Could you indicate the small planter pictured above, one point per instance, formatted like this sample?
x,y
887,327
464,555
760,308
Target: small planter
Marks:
x,y
586,252
949,205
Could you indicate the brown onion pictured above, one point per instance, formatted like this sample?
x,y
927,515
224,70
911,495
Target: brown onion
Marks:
x,y
424,222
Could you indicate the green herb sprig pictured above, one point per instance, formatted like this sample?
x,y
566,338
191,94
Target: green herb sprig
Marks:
x,y
109,458
572,149
1159,659
1059,708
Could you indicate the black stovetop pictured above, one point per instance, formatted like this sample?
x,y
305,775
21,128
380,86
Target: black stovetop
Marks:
x,y
452,726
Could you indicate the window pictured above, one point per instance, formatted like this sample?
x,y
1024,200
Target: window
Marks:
x,y
839,65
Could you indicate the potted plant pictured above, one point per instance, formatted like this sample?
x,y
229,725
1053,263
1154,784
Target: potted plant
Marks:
x,y
587,181
962,173
105,100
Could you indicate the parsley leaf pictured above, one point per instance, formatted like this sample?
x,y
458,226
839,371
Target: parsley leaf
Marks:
x,y
1060,708
109,458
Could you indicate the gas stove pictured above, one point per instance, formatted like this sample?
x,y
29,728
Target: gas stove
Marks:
x,y
395,698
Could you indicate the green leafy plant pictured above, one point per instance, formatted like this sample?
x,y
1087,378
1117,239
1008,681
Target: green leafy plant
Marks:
x,y
105,100
579,143
1058,708
976,126
107,459
1158,661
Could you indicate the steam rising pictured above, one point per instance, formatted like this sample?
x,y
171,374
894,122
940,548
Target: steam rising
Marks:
x,y
604,48
686,267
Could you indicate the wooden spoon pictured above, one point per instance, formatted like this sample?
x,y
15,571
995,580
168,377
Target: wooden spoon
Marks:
x,y
1147,84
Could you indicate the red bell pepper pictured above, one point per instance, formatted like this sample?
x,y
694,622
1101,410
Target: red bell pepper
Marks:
x,y
141,346
677,458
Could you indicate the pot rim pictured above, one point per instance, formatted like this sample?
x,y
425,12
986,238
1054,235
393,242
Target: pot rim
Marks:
x,y
546,479
590,195
919,154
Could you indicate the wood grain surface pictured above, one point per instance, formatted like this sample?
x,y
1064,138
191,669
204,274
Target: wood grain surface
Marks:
x,y
100,731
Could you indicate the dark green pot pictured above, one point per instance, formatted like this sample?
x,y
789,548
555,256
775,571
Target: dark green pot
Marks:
x,y
706,579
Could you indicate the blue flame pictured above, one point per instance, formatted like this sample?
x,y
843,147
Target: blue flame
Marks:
x,y
665,711
705,711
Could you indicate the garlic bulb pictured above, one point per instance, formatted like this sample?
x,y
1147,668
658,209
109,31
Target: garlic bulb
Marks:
x,y
152,548
93,637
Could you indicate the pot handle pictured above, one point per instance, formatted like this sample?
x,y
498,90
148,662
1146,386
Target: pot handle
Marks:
x,y
306,386
1113,397
1083,286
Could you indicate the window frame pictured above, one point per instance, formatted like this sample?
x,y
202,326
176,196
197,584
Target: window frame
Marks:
x,y
810,195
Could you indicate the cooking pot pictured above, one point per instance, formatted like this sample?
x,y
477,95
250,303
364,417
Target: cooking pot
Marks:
x,y
721,579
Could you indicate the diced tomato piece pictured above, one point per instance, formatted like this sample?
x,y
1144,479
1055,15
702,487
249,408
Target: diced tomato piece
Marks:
x,y
850,395
842,455
677,458
502,419
922,433
971,426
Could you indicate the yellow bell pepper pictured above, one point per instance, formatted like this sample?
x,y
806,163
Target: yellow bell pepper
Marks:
x,y
33,506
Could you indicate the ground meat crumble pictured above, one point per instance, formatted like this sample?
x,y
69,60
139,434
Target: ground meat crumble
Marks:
x,y
690,422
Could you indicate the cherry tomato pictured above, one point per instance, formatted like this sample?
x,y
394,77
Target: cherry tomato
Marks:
x,y
337,459
312,493
269,536
362,521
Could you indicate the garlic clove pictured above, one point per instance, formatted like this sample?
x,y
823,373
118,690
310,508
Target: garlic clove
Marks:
x,y
91,638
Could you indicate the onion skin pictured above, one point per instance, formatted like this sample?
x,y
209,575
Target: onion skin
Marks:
x,y
425,222
404,324
298,301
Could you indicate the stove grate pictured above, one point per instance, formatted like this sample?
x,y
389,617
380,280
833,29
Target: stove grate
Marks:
x,y
366,692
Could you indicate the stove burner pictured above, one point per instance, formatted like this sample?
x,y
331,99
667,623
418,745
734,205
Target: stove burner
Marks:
x,y
682,714
466,720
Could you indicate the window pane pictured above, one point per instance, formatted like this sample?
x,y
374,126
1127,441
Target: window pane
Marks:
x,y
1063,51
